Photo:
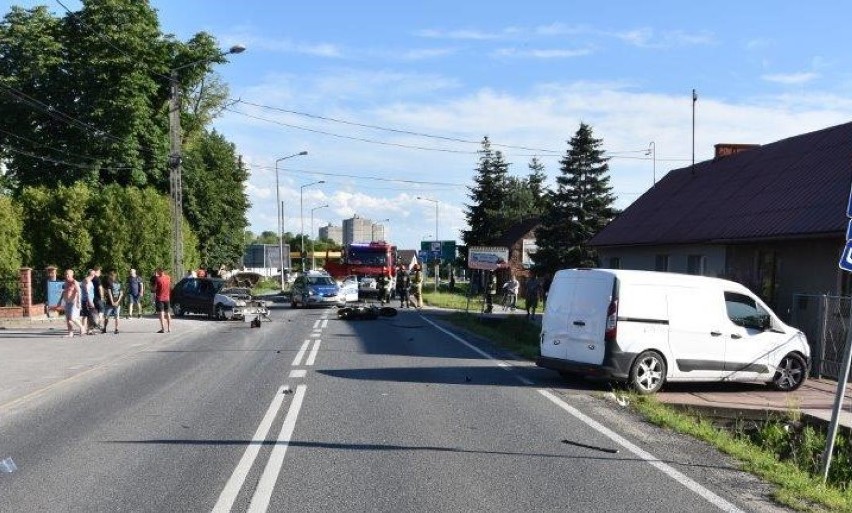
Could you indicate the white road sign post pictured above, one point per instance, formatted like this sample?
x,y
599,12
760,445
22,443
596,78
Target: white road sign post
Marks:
x,y
842,379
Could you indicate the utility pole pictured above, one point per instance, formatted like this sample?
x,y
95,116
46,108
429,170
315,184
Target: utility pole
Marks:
x,y
175,182
694,99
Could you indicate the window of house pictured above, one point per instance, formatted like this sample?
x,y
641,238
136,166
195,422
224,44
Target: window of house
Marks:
x,y
661,263
695,264
615,263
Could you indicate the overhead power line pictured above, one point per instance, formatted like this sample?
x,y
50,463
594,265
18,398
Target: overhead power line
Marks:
x,y
359,177
60,162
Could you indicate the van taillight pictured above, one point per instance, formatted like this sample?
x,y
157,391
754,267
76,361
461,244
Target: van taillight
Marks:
x,y
611,321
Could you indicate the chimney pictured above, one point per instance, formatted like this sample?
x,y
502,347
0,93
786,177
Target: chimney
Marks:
x,y
728,149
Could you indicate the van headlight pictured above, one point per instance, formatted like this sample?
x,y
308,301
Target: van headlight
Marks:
x,y
311,293
241,303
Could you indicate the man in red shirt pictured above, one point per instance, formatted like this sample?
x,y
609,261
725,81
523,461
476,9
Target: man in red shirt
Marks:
x,y
162,296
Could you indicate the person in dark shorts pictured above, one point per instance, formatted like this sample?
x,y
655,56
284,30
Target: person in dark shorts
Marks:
x,y
162,295
112,300
135,289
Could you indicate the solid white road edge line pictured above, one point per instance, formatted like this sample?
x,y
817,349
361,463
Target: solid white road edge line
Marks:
x,y
313,356
500,363
298,373
666,469
263,492
671,472
238,477
301,354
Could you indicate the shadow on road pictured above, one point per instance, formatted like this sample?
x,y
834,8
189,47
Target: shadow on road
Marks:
x,y
426,448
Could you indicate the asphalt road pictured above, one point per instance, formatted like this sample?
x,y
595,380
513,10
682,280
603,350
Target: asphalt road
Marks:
x,y
310,413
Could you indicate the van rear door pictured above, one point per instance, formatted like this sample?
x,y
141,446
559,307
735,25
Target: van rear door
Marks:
x,y
575,320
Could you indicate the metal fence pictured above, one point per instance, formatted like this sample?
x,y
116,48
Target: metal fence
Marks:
x,y
825,321
10,289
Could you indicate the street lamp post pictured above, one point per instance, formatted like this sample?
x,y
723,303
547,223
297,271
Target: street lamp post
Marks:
x,y
175,157
313,255
437,237
281,214
373,229
302,217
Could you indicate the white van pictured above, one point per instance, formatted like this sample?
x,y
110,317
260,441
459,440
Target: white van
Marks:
x,y
646,328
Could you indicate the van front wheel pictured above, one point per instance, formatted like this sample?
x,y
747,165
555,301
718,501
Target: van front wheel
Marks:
x,y
790,374
648,372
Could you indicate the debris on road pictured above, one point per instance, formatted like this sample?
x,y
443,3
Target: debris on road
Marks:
x,y
287,390
593,447
8,466
365,312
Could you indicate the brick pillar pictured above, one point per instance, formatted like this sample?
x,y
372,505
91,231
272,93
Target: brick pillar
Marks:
x,y
26,291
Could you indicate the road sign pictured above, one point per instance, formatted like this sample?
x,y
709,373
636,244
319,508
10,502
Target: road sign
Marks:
x,y
846,257
849,206
849,230
446,249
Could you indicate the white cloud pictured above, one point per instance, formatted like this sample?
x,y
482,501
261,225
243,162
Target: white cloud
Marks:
x,y
555,53
801,77
426,53
471,34
647,37
544,116
282,45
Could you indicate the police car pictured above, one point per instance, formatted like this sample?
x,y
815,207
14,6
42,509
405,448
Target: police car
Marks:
x,y
316,288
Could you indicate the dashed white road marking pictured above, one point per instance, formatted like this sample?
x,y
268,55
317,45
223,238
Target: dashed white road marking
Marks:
x,y
314,350
298,373
317,323
263,492
238,477
652,460
316,334
301,354
324,323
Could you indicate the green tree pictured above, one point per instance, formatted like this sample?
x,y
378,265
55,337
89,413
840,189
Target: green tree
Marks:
x,y
10,235
579,208
58,226
215,201
484,214
535,181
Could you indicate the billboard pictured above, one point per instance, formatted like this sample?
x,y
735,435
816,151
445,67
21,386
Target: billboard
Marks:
x,y
265,256
487,258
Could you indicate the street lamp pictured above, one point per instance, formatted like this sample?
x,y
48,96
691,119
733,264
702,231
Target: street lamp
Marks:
x,y
373,229
652,151
437,238
313,255
302,217
281,214
175,157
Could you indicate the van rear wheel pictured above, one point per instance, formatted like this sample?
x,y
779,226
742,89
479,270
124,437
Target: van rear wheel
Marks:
x,y
790,374
648,372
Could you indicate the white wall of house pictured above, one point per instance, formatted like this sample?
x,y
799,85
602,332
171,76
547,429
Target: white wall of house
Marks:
x,y
704,260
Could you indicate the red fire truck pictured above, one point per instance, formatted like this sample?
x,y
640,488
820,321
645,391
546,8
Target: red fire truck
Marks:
x,y
367,259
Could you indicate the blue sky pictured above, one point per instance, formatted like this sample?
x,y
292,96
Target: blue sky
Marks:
x,y
523,73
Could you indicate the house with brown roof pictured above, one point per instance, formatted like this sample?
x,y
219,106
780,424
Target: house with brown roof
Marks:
x,y
771,217
520,239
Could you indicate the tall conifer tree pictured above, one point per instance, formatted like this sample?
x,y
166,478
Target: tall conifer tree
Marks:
x,y
579,208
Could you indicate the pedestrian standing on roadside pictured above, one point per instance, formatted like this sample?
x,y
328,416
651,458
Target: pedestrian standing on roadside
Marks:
x,y
97,283
417,287
88,312
162,293
403,286
452,281
490,292
70,302
532,293
113,296
511,287
135,289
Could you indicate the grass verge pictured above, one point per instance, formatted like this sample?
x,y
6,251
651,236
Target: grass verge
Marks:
x,y
514,333
795,487
458,300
